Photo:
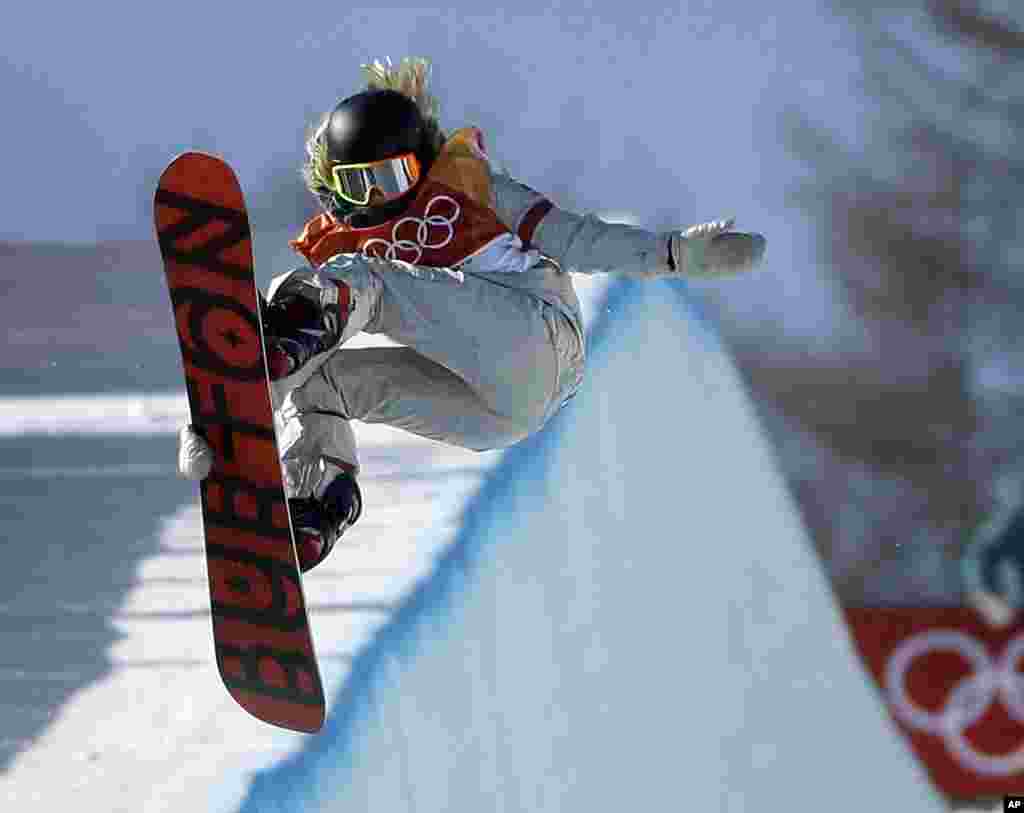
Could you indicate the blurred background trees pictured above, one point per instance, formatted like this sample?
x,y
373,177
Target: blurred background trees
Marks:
x,y
897,442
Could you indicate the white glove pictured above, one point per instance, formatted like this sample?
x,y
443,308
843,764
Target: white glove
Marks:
x,y
195,457
710,249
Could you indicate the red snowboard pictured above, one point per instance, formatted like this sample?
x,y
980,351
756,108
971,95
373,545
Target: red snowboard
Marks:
x,y
260,627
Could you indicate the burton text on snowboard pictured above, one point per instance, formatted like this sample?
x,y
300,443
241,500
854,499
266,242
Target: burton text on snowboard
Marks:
x,y
261,631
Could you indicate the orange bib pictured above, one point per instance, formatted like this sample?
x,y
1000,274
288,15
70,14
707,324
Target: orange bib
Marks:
x,y
450,219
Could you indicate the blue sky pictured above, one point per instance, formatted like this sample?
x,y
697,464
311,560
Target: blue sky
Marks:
x,y
633,106
667,114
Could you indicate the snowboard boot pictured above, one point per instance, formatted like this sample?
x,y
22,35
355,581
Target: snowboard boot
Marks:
x,y
320,522
300,322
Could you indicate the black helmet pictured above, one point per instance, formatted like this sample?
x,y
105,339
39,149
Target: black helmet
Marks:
x,y
374,125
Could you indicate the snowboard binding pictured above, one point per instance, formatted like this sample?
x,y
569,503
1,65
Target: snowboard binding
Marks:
x,y
320,523
301,320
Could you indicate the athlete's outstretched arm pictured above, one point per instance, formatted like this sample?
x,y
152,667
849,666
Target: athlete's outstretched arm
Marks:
x,y
586,244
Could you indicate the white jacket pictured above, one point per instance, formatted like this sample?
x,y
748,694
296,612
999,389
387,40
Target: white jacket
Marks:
x,y
568,242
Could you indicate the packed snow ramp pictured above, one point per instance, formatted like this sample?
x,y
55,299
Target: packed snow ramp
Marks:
x,y
631,618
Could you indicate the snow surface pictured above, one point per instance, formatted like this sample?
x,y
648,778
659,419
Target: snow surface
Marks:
x,y
623,612
630,618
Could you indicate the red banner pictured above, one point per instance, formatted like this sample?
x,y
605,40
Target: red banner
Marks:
x,y
955,687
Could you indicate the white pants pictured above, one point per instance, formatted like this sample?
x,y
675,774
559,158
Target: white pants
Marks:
x,y
483,367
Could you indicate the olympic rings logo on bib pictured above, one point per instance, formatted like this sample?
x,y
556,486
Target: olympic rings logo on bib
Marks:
x,y
968,701
423,226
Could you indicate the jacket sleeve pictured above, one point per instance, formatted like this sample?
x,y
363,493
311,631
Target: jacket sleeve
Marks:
x,y
580,244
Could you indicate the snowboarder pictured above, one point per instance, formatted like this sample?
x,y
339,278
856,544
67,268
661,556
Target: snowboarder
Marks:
x,y
423,240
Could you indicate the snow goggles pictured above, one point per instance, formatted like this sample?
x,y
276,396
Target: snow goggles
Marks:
x,y
392,178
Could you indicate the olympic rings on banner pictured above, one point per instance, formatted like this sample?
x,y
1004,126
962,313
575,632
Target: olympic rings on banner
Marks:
x,y
968,701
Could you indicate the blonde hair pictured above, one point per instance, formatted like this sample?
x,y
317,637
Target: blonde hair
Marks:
x,y
409,78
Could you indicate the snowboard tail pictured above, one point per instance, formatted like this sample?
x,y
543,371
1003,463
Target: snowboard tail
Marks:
x,y
261,633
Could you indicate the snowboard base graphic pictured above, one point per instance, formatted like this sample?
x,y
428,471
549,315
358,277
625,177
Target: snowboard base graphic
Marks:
x,y
261,632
